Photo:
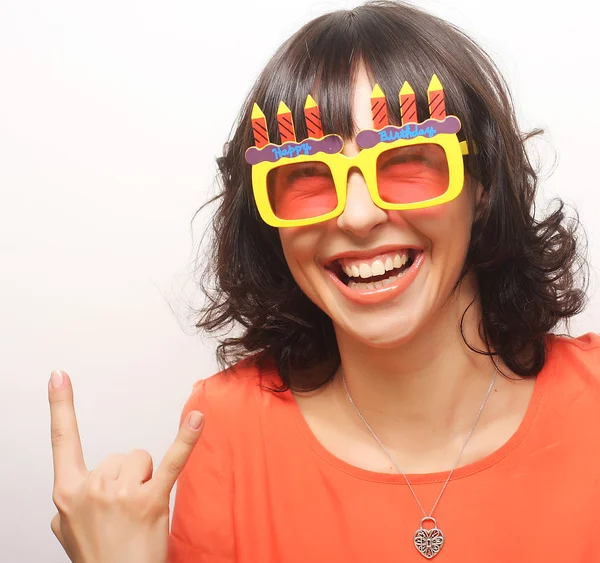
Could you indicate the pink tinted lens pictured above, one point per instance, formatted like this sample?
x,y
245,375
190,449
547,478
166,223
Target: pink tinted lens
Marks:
x,y
412,174
301,190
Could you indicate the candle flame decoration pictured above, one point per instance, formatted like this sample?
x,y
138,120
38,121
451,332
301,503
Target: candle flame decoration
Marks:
x,y
259,128
379,108
435,97
285,123
408,104
312,115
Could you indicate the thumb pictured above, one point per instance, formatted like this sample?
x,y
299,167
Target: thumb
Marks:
x,y
178,454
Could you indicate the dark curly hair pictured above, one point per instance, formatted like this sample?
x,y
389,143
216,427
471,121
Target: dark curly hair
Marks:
x,y
531,273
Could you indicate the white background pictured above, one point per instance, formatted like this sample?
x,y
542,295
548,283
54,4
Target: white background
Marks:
x,y
111,115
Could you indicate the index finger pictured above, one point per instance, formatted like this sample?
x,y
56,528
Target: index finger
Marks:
x,y
178,454
67,453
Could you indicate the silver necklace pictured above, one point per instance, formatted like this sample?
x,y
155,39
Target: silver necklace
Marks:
x,y
428,542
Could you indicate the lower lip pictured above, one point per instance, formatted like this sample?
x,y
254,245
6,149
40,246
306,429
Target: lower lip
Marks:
x,y
382,294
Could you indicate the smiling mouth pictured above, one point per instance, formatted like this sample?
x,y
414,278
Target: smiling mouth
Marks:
x,y
372,281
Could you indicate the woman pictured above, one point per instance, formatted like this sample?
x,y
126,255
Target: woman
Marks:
x,y
394,393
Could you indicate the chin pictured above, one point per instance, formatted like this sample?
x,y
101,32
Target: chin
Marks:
x,y
382,332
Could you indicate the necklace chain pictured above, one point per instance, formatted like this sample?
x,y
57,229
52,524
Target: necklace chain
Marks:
x,y
394,462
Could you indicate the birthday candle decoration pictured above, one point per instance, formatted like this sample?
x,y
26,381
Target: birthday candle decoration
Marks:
x,y
379,108
435,96
313,118
259,127
285,123
408,104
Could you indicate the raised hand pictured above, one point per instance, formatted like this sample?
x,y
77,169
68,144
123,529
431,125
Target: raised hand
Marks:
x,y
118,512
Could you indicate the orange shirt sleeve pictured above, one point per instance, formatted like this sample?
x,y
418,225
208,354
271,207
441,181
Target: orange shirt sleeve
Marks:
x,y
202,523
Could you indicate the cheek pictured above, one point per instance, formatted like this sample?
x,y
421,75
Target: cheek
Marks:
x,y
446,226
459,210
300,246
427,214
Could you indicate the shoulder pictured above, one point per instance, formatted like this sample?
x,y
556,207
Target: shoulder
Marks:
x,y
233,395
202,525
573,368
579,355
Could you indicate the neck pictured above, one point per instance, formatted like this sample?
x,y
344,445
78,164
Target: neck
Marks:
x,y
431,384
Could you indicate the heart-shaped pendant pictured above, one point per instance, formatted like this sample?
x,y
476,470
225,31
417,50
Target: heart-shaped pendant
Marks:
x,y
429,542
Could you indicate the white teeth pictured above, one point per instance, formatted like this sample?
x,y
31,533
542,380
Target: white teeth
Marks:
x,y
378,268
373,285
365,271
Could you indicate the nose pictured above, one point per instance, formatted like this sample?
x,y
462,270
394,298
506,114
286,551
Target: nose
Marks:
x,y
360,215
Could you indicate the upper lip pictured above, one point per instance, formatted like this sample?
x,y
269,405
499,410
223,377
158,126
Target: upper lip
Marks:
x,y
369,252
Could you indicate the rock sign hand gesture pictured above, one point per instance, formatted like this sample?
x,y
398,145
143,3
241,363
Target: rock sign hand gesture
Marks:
x,y
118,512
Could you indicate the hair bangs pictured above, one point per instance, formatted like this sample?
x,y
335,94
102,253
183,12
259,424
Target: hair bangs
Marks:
x,y
319,60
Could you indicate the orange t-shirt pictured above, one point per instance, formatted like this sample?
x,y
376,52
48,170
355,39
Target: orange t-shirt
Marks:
x,y
260,488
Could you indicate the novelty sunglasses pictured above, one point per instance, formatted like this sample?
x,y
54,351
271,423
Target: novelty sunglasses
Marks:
x,y
413,166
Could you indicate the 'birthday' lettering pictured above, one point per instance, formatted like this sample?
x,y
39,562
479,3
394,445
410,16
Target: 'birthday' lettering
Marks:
x,y
408,132
291,151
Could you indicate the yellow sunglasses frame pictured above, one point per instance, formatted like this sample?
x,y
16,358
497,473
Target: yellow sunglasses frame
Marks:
x,y
366,161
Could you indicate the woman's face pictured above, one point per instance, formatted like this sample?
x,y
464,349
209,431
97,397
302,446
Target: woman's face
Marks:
x,y
434,240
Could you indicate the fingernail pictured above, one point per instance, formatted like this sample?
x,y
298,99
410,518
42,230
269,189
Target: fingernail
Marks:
x,y
56,379
195,421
